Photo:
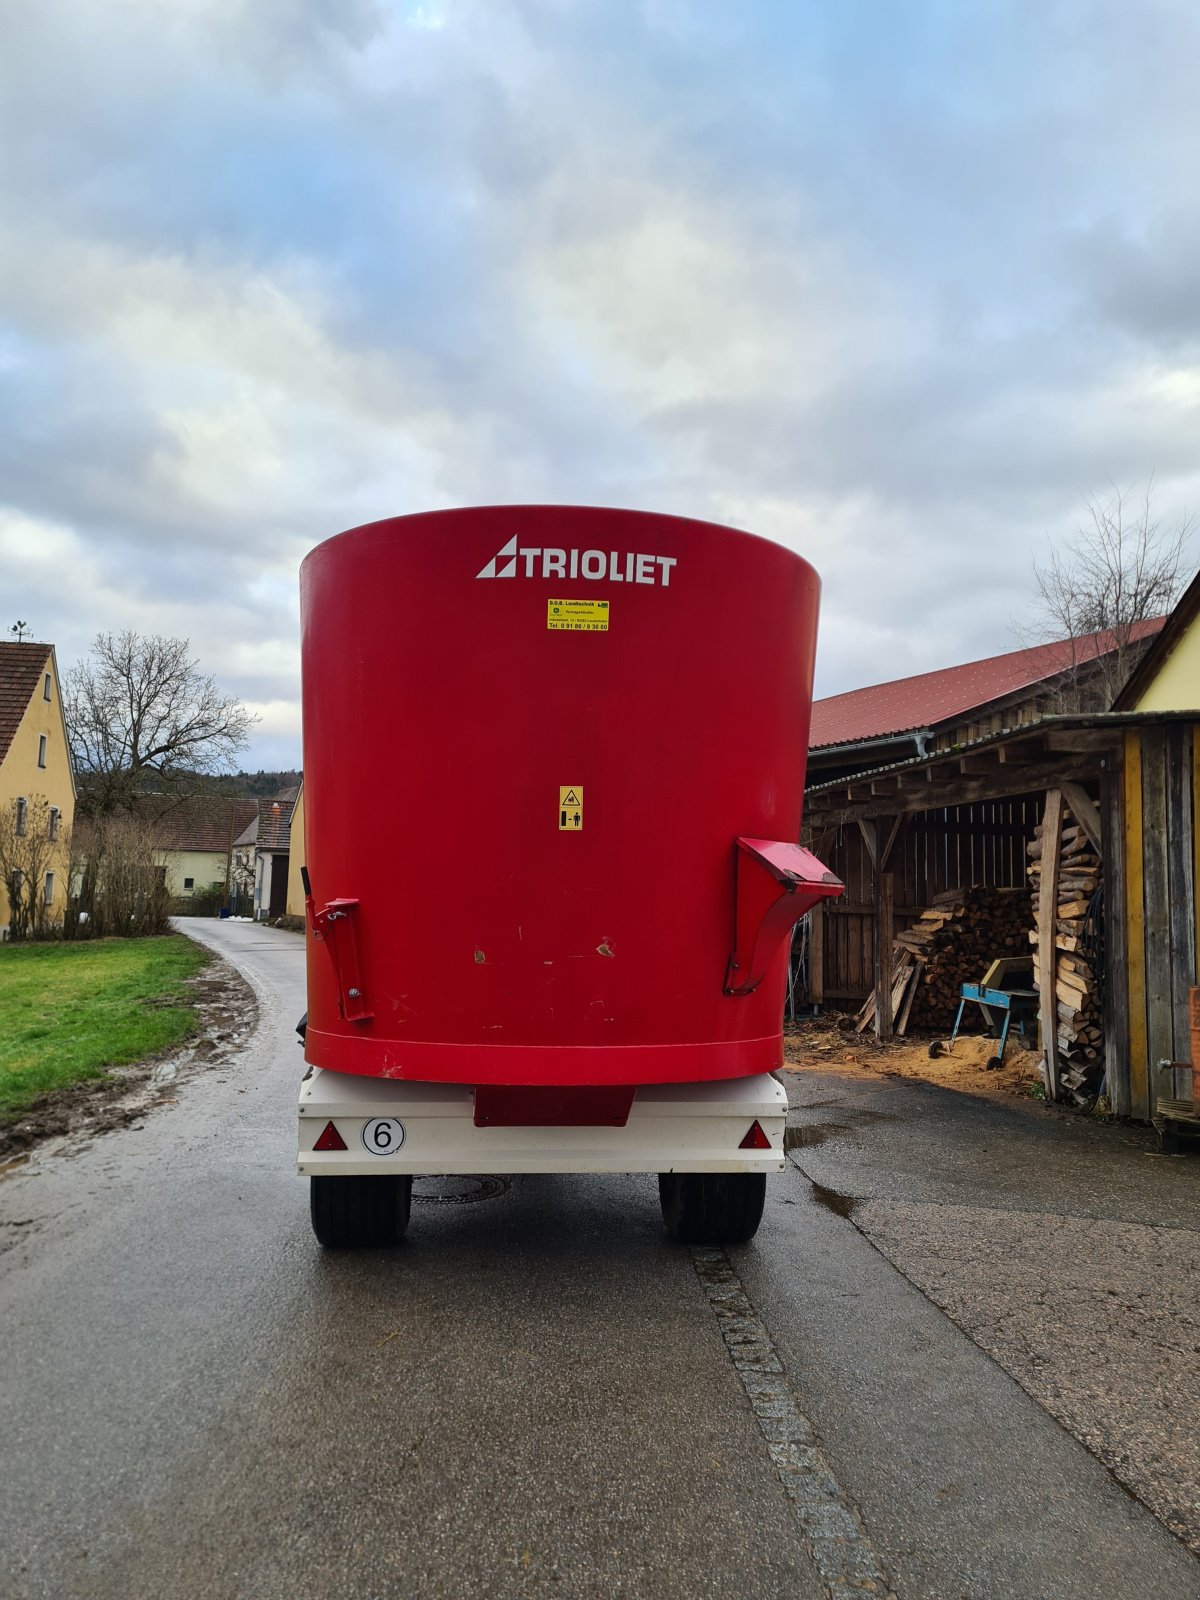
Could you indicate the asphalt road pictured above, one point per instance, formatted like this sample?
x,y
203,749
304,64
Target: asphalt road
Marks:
x,y
536,1395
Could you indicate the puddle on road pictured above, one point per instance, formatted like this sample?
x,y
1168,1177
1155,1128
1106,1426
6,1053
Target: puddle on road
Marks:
x,y
807,1135
861,1114
840,1204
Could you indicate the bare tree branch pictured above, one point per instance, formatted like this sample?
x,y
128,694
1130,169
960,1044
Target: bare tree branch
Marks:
x,y
141,707
1122,567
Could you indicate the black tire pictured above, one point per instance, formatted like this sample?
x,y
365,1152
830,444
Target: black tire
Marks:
x,y
360,1212
712,1207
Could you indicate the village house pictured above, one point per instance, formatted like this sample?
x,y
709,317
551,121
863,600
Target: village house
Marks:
x,y
194,837
266,843
296,859
37,786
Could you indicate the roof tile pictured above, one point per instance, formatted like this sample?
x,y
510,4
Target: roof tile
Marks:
x,y
929,698
21,668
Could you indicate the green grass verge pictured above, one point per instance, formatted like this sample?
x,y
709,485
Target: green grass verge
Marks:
x,y
70,1011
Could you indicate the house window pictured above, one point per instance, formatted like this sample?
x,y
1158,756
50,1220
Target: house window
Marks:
x,y
160,876
189,883
48,890
22,812
15,880
41,749
55,817
46,688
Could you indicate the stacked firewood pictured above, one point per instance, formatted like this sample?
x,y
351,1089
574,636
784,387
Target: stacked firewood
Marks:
x,y
1076,987
952,943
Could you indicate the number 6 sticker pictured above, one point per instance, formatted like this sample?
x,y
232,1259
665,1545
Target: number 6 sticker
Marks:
x,y
382,1136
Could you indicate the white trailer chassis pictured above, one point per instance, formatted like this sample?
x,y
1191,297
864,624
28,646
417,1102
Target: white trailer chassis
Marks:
x,y
672,1128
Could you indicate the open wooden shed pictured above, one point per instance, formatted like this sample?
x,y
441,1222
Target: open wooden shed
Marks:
x,y
953,818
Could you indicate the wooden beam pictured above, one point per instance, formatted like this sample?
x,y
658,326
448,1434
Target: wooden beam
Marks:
x,y
1046,915
1003,783
983,763
867,829
1079,741
816,955
1180,833
1086,814
1135,917
1156,823
1116,988
884,932
1018,755
899,827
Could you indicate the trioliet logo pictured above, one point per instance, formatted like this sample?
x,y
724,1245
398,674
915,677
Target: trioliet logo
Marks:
x,y
532,561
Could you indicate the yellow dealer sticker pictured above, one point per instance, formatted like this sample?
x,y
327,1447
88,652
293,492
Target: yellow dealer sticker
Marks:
x,y
577,616
570,808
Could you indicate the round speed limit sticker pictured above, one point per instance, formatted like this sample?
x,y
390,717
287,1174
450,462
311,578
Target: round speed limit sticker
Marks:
x,y
382,1136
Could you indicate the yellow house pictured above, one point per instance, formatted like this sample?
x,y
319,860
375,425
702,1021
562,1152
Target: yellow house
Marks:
x,y
1158,869
37,785
296,860
194,839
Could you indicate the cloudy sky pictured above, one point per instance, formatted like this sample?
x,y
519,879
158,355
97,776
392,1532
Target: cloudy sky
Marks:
x,y
895,284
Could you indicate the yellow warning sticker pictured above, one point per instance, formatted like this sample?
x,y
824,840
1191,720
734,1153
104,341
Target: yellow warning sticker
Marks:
x,y
570,808
577,616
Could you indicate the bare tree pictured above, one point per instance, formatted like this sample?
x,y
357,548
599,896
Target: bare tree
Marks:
x,y
120,880
33,849
141,709
1122,567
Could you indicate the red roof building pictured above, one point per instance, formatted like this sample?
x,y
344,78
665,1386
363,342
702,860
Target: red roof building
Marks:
x,y
937,710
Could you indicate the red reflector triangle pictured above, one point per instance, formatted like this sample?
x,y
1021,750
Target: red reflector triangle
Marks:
x,y
756,1139
331,1139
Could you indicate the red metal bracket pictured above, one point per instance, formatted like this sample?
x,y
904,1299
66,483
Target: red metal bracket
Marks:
x,y
776,884
336,927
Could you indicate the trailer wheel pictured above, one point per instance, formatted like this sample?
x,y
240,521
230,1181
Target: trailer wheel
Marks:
x,y
712,1207
360,1212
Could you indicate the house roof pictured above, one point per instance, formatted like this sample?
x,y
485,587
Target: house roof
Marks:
x,y
203,822
21,669
275,820
1175,628
930,698
249,834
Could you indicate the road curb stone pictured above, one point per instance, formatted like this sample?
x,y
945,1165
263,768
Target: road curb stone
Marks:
x,y
832,1528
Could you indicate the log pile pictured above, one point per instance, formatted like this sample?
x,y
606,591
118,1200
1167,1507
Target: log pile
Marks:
x,y
952,943
1076,984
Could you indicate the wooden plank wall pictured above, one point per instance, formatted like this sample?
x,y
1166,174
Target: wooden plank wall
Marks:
x,y
1159,793
948,848
1116,941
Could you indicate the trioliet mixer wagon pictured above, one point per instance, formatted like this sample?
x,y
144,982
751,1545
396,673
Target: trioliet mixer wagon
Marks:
x,y
553,770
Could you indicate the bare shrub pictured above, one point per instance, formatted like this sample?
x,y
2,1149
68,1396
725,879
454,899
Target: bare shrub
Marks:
x,y
119,880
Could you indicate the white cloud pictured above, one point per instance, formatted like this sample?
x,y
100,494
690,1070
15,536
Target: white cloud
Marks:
x,y
896,298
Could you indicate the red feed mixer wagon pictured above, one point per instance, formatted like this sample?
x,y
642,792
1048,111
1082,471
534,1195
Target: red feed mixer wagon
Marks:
x,y
553,770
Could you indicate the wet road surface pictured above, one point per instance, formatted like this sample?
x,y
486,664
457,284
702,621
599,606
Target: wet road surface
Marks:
x,y
536,1395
